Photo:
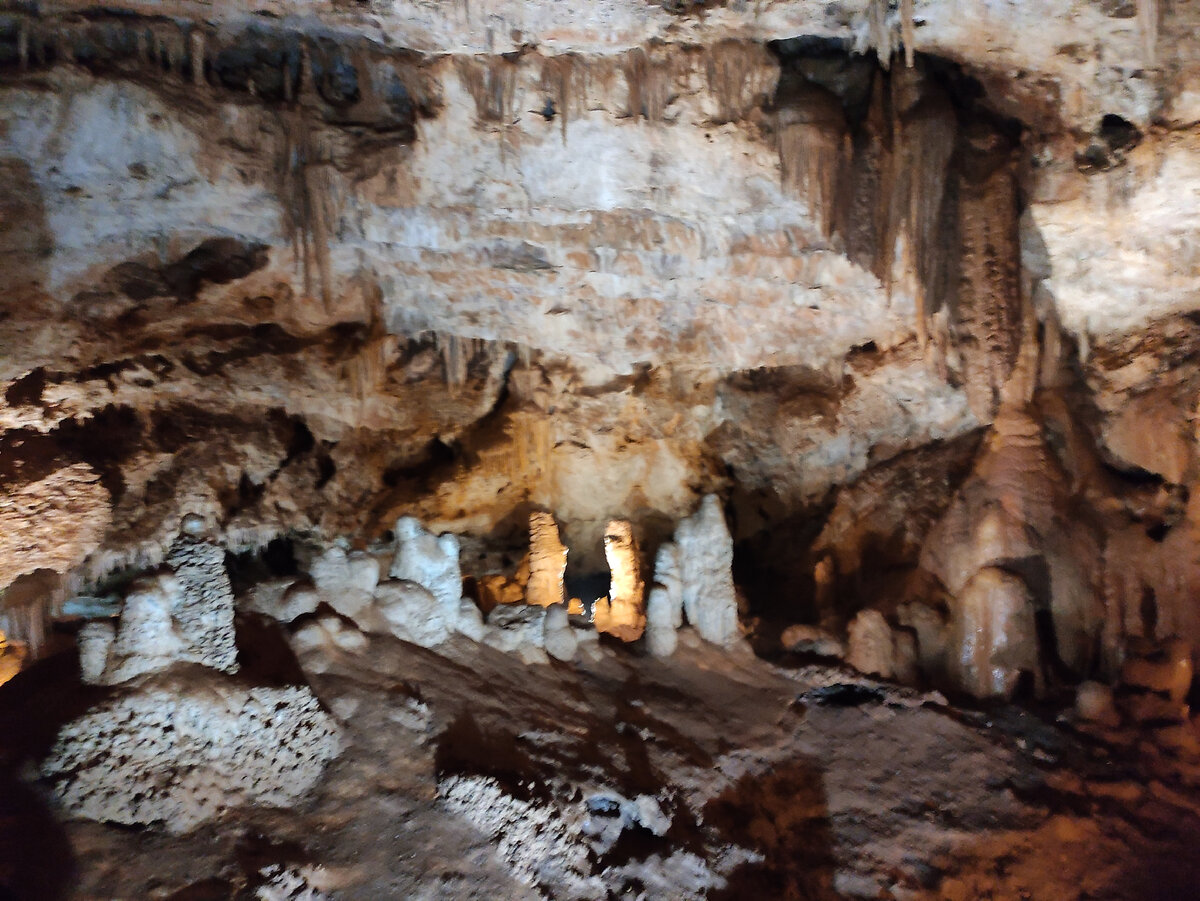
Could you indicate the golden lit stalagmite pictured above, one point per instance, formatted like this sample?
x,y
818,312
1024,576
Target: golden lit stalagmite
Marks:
x,y
547,561
623,612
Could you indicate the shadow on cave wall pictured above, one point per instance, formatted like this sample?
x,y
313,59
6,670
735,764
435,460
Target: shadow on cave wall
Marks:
x,y
784,816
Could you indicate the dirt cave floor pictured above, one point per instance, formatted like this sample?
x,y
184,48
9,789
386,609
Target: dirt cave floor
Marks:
x,y
467,774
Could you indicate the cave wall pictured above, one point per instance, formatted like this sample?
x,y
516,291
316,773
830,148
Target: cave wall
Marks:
x,y
314,267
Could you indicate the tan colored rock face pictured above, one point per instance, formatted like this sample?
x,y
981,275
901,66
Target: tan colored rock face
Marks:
x,y
52,523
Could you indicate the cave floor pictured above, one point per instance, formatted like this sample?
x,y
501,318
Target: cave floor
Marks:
x,y
803,782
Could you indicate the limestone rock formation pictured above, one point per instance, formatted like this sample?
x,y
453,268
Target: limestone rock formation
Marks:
x,y
623,612
324,637
547,561
346,582
993,636
178,753
874,647
664,606
147,638
521,629
432,562
184,615
1094,703
284,599
181,741
12,656
559,640
803,639
1166,670
871,649
706,573
911,287
413,614
1009,515
203,607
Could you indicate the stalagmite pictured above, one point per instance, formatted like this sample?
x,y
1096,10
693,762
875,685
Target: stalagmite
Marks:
x,y
805,639
706,573
203,605
412,613
346,582
1094,703
433,562
147,639
560,640
875,648
929,627
547,561
184,614
993,635
664,606
870,648
520,629
623,612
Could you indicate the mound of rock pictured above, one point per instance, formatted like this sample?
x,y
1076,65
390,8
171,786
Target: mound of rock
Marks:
x,y
179,753
181,740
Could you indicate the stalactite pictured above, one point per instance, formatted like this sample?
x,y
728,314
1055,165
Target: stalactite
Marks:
x,y
729,67
811,157
23,44
879,31
811,135
532,440
164,53
927,136
647,82
492,84
987,311
27,606
456,357
308,192
196,40
906,31
1148,17
367,371
557,78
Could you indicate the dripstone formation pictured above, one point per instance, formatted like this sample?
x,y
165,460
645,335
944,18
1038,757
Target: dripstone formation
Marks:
x,y
652,449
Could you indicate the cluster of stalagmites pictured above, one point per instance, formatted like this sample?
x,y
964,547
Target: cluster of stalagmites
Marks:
x,y
421,599
1021,586
181,739
185,736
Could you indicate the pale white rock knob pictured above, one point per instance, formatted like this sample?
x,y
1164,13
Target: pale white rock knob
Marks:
x,y
706,573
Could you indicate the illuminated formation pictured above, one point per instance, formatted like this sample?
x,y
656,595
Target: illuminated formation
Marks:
x,y
623,612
